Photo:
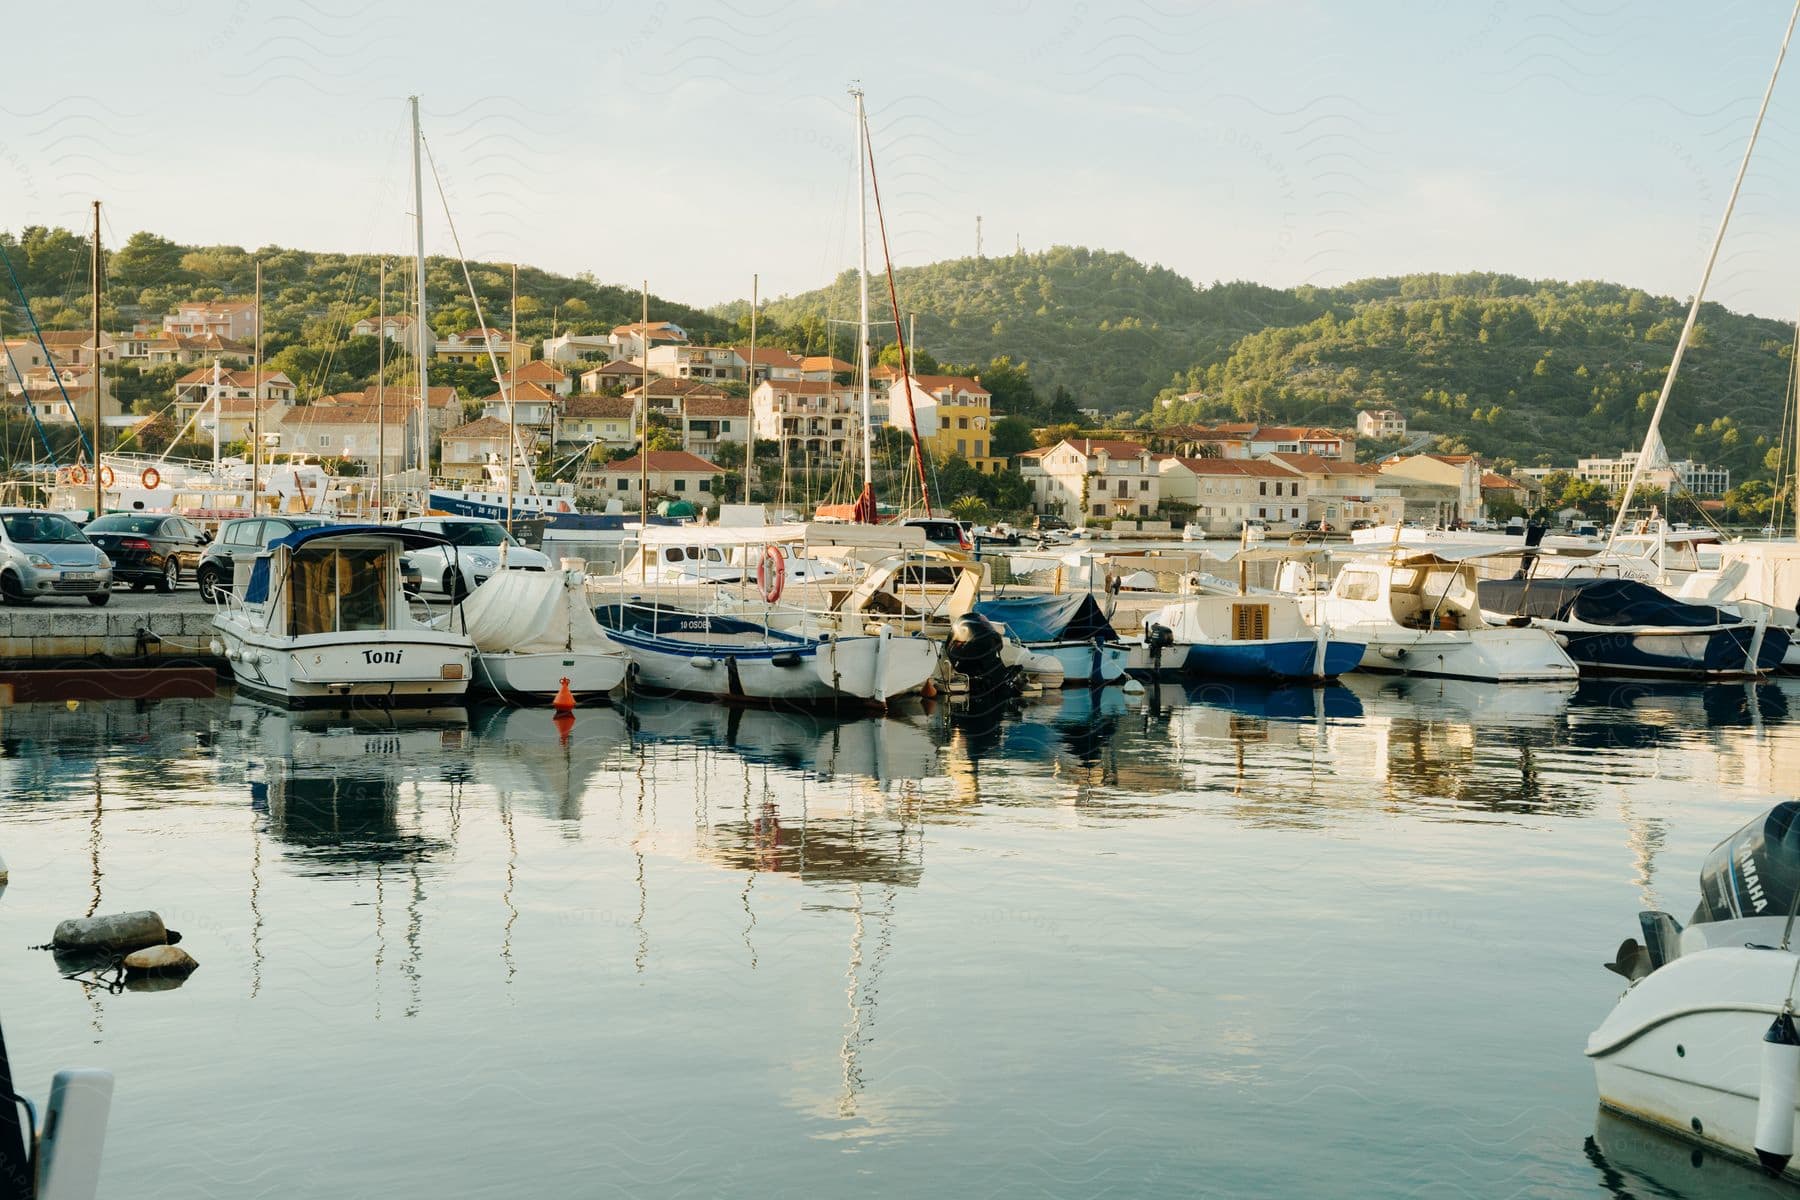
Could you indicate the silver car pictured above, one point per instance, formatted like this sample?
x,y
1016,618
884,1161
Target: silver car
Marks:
x,y
472,556
44,553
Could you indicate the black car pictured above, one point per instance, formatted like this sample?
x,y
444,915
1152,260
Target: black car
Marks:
x,y
243,538
149,550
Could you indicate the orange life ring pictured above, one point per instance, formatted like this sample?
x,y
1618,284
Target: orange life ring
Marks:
x,y
150,478
106,476
771,573
78,474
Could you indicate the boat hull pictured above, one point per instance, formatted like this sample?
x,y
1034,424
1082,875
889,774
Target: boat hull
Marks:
x,y
420,668
700,654
1086,664
1505,655
1682,1050
1714,653
536,678
1294,659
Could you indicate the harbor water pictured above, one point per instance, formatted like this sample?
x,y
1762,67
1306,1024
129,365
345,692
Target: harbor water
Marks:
x,y
1221,941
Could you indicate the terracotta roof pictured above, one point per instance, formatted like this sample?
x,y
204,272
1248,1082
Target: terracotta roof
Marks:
x,y
342,414
665,461
525,393
1454,460
1114,449
435,397
1491,480
824,362
1313,464
804,387
1037,453
233,378
618,367
717,406
576,407
1296,433
961,383
68,337
1255,468
678,387
481,427
770,356
537,371
656,328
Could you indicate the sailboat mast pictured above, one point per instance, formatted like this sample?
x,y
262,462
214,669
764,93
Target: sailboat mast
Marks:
x,y
256,398
419,304
862,289
99,490
512,407
644,424
1687,330
380,385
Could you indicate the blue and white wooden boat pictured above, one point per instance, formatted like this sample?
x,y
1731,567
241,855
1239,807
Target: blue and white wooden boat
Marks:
x,y
1241,637
1071,628
1623,627
729,658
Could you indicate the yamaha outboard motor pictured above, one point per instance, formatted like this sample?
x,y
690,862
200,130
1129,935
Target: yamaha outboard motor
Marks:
x,y
1754,872
974,651
1158,639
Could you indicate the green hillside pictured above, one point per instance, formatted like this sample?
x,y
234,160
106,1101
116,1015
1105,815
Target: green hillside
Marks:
x,y
1535,371
1106,327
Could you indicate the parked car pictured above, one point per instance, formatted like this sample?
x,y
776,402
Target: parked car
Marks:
x,y
1361,523
472,556
243,538
1045,523
941,532
44,554
1316,527
149,549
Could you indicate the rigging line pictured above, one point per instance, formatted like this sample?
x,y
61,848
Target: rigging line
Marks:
x,y
80,430
912,416
1687,330
481,319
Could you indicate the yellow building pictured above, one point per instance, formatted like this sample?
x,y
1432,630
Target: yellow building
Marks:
x,y
953,414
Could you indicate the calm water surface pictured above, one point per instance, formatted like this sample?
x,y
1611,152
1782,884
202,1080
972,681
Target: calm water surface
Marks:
x,y
1216,941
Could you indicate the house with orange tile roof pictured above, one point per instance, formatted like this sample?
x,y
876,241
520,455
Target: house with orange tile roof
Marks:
x,y
633,341
772,362
672,474
1093,479
1226,492
373,437
953,413
1437,488
609,421
678,360
233,319
812,420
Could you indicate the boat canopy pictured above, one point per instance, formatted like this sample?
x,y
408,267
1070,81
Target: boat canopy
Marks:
x,y
257,591
1075,617
1617,602
720,535
531,612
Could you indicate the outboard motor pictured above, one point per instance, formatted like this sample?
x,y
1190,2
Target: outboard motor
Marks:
x,y
1756,871
1157,639
974,651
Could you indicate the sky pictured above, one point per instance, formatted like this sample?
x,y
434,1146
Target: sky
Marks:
x,y
695,145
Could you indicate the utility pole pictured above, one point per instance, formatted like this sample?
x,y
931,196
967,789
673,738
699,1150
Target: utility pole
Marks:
x,y
512,408
99,490
644,441
750,400
977,235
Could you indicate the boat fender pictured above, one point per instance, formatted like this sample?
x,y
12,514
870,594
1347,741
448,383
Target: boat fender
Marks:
x,y
786,659
118,932
1775,1101
1519,622
1396,653
700,662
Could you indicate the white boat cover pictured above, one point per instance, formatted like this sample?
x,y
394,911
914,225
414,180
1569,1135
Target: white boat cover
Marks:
x,y
531,612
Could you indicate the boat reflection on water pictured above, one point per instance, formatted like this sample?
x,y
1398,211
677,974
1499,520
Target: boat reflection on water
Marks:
x,y
1635,1161
1536,704
530,755
331,782
880,749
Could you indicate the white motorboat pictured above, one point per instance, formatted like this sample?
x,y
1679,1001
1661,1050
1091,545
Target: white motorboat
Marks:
x,y
1240,637
320,618
534,634
729,658
1419,613
1703,1042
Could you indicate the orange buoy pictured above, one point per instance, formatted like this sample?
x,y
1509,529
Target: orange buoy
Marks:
x,y
929,690
565,724
565,699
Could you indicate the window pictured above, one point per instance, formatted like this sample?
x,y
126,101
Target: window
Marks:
x,y
624,485
1099,510
1124,489
724,426
1262,489
324,439
962,447
681,485
706,485
962,422
1143,485
1359,585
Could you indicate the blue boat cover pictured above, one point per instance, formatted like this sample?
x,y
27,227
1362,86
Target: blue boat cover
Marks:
x,y
1075,617
411,539
1617,602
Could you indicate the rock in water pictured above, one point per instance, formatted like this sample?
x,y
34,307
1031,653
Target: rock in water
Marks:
x,y
165,960
118,932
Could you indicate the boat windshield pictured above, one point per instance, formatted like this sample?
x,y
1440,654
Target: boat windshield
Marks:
x,y
41,529
476,533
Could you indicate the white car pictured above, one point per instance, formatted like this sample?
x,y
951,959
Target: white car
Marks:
x,y
472,556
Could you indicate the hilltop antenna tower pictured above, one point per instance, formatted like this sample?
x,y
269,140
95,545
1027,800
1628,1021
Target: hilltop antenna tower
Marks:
x,y
977,235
